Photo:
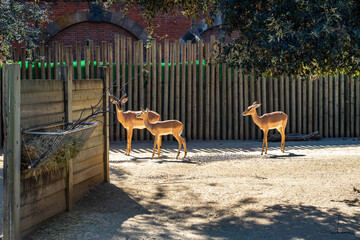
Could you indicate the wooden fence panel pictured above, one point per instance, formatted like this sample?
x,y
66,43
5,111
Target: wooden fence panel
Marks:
x,y
207,97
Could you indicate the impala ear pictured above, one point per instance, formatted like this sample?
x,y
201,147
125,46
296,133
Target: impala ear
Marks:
x,y
147,109
254,104
257,105
124,100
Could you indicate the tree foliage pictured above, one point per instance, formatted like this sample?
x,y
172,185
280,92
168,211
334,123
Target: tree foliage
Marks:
x,y
275,37
300,37
20,22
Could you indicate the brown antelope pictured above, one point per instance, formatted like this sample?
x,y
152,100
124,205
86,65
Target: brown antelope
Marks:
x,y
129,120
160,128
274,120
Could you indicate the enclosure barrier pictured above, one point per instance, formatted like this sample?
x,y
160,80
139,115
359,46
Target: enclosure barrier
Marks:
x,y
177,81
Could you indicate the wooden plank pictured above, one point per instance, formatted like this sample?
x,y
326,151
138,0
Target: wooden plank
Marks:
x,y
287,103
159,79
87,94
194,99
351,83
282,93
342,105
16,55
12,150
264,95
293,104
23,63
43,191
88,163
106,79
92,59
88,173
87,62
252,99
78,60
241,105
331,106
217,103
259,100
212,89
223,101
271,94
246,104
177,78
321,104
61,54
153,75
236,104
41,109
316,105
188,126
148,83
41,97
41,211
56,58
201,91
42,61
136,83
81,189
336,106
90,84
276,94
326,107
130,74
168,99
41,86
310,106
207,91
98,60
36,63
183,84
141,81
90,152
299,104
39,120
111,89
48,62
304,106
117,82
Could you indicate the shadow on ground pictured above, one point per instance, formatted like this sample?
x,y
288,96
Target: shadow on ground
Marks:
x,y
107,212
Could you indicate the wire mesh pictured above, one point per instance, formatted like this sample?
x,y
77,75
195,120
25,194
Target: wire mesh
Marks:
x,y
58,142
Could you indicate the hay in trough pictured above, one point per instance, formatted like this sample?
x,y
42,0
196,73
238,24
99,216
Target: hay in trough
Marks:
x,y
49,148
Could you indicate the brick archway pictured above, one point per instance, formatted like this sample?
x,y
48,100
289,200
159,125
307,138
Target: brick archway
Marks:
x,y
194,33
84,16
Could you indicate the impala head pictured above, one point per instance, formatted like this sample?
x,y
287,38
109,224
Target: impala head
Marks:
x,y
251,109
118,102
143,114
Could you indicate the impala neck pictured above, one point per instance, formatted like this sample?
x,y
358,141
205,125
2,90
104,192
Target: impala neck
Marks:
x,y
256,118
147,123
119,114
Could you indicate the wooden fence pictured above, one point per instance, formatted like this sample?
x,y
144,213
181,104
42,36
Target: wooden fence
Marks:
x,y
175,80
45,102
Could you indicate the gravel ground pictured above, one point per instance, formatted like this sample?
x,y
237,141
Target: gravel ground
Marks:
x,y
222,190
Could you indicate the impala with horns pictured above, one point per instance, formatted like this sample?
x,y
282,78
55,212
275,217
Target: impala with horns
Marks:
x,y
273,120
160,128
129,120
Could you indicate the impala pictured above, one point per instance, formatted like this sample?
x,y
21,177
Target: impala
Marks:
x,y
274,120
129,120
160,128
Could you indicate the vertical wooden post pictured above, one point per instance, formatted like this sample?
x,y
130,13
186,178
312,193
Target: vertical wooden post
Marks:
x,y
154,75
98,61
304,106
287,102
48,62
56,58
357,107
136,82
158,79
188,90
91,49
321,104
129,73
177,78
141,80
104,73
316,105
183,83
42,61
168,99
12,150
293,104
331,107
326,106
194,94
66,76
78,60
212,89
236,104
111,89
246,104
207,91
117,81
259,100
201,90
342,105
223,101
299,115
241,104
229,105
23,63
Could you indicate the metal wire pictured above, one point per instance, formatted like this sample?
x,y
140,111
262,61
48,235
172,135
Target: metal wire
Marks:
x,y
42,143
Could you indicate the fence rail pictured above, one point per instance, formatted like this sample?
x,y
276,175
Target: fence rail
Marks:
x,y
175,80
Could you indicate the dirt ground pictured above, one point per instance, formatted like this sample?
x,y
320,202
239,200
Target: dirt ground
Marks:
x,y
223,190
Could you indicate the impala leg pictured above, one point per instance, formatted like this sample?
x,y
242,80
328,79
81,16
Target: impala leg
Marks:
x,y
265,138
283,139
280,130
129,139
155,142
180,141
262,150
159,146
